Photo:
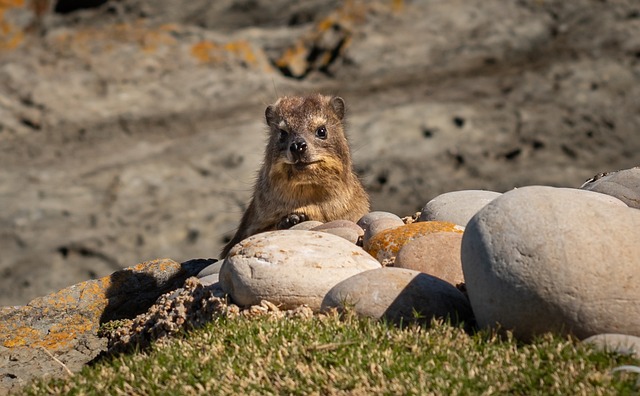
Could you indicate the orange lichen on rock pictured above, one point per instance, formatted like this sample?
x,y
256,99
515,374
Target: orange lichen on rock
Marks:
x,y
10,35
55,321
386,244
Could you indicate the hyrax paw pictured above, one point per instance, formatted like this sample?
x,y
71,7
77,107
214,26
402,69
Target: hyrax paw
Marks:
x,y
291,219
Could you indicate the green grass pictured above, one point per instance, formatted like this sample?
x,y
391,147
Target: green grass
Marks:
x,y
329,355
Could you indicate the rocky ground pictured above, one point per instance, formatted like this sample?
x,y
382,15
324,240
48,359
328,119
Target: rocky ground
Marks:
x,y
132,130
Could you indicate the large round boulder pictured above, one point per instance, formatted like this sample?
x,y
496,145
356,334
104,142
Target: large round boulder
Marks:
x,y
543,259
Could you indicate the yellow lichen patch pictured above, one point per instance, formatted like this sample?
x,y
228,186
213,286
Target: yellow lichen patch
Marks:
x,y
10,35
62,334
93,294
386,244
203,51
21,336
161,265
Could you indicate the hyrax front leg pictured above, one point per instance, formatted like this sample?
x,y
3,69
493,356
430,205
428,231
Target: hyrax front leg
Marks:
x,y
290,220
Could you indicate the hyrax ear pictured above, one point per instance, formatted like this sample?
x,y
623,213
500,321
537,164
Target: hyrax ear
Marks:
x,y
270,114
338,106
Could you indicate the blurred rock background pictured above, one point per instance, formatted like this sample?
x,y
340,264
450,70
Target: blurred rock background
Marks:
x,y
132,129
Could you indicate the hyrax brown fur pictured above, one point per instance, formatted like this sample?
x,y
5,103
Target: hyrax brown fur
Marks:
x,y
307,172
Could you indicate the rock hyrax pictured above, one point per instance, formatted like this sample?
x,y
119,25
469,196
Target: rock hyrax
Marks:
x,y
307,172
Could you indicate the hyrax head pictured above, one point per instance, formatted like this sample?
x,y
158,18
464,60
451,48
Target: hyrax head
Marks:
x,y
307,134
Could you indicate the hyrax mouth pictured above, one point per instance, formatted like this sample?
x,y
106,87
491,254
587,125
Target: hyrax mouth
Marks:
x,y
301,164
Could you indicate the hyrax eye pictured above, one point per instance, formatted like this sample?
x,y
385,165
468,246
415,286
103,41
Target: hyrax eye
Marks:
x,y
321,132
283,135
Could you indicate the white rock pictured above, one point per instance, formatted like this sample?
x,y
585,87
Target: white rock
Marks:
x,y
621,343
457,206
290,268
542,259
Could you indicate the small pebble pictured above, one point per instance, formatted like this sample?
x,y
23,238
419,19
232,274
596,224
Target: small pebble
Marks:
x,y
306,225
379,225
370,217
340,224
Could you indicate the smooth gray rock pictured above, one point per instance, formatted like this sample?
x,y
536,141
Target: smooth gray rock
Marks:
x,y
339,224
306,225
343,228
542,259
400,295
621,343
623,184
210,274
290,268
210,270
366,220
378,225
457,206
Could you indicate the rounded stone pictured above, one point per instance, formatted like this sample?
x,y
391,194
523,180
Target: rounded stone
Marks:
x,y
370,217
386,244
306,225
339,224
624,185
290,268
400,295
436,254
623,344
210,269
343,228
543,259
209,275
457,206
379,225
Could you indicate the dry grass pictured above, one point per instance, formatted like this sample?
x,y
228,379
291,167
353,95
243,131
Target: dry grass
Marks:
x,y
333,355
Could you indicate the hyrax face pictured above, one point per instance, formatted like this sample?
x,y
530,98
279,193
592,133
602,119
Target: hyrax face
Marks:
x,y
307,138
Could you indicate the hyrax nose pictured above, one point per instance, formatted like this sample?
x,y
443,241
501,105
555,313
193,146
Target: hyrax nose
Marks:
x,y
298,147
